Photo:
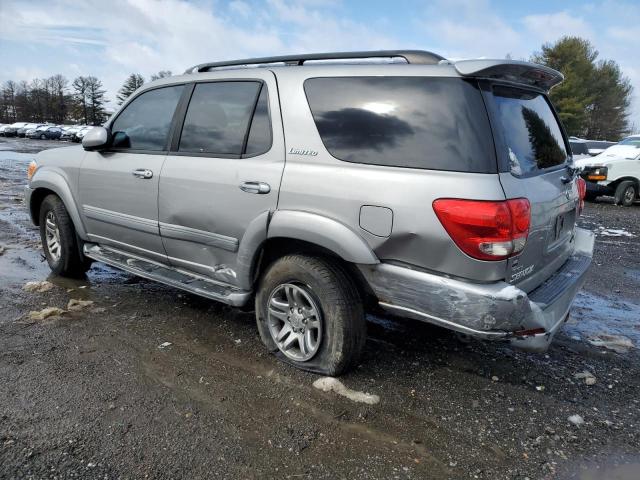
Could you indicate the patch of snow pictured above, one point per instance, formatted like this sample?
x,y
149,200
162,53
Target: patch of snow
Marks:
x,y
46,313
75,305
577,420
611,232
39,287
328,384
617,343
165,345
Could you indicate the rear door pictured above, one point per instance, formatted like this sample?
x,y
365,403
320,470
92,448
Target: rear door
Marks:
x,y
532,147
223,174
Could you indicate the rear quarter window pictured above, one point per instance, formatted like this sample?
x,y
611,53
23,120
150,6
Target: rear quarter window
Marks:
x,y
416,122
532,135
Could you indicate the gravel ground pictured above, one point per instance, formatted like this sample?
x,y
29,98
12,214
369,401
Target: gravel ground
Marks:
x,y
92,394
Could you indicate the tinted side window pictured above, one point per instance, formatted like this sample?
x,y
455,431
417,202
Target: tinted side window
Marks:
x,y
418,122
532,134
218,117
259,140
144,123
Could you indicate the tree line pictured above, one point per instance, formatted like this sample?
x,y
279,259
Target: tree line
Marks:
x,y
593,101
53,100
56,100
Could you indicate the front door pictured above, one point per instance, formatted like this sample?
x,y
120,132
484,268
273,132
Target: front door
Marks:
x,y
118,189
222,176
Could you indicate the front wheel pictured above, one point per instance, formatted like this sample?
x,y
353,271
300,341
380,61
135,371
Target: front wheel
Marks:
x,y
309,313
43,137
626,193
59,240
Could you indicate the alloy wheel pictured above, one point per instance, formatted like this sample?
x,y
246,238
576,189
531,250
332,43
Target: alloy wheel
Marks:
x,y
295,321
52,236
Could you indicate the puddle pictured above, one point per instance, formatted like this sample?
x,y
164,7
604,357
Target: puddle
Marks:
x,y
593,315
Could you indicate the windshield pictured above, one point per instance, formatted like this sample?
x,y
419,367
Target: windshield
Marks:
x,y
579,148
631,141
530,130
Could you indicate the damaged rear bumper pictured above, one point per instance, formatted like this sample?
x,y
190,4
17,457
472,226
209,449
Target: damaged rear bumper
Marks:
x,y
493,311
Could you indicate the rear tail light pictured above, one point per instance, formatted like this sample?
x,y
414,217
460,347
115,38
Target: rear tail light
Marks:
x,y
486,230
582,193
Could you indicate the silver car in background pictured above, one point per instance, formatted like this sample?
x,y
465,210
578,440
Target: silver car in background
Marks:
x,y
320,186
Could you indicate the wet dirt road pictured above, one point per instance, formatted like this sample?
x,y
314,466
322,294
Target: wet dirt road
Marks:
x,y
92,394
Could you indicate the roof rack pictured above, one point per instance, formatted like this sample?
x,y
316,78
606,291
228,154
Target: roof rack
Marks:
x,y
419,57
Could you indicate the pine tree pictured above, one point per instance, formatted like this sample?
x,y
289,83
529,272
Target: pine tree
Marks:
x,y
593,101
95,101
130,85
80,99
161,74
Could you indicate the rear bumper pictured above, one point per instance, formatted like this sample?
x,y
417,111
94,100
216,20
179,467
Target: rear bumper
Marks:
x,y
494,311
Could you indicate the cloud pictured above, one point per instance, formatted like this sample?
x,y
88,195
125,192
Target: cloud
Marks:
x,y
115,38
548,27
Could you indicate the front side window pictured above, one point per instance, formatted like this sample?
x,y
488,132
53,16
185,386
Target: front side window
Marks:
x,y
416,122
531,132
219,116
145,122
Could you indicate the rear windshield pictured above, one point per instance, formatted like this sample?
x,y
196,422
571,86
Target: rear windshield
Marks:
x,y
530,130
416,122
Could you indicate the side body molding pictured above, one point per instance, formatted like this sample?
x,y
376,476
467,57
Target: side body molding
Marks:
x,y
322,231
56,182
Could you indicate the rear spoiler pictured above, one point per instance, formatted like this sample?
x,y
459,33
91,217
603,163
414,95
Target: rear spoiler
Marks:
x,y
530,74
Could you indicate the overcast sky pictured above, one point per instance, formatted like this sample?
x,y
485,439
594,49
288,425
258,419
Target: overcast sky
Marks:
x,y
110,39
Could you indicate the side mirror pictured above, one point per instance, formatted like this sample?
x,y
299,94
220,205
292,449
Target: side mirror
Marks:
x,y
97,138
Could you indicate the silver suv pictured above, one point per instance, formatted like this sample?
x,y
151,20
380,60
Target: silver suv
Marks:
x,y
319,186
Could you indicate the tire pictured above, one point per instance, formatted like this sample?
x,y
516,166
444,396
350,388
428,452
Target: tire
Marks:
x,y
320,285
60,244
626,193
43,137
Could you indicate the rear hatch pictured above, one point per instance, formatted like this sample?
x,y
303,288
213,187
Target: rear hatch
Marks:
x,y
534,152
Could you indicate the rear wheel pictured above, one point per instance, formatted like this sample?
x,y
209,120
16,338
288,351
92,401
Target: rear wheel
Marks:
x,y
626,193
59,240
309,313
43,137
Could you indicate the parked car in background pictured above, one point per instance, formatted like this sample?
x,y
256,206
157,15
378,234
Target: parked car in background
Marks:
x,y
46,132
490,248
614,172
2,129
68,133
596,147
81,133
30,130
12,130
22,132
579,148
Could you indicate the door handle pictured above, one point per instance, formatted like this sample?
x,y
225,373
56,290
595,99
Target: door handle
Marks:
x,y
255,187
142,173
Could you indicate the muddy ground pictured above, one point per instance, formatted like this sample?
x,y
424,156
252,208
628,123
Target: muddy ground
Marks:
x,y
92,394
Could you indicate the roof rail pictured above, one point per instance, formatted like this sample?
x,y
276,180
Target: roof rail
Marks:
x,y
420,57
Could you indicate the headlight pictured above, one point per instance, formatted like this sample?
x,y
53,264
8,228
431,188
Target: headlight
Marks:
x,y
597,174
31,169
